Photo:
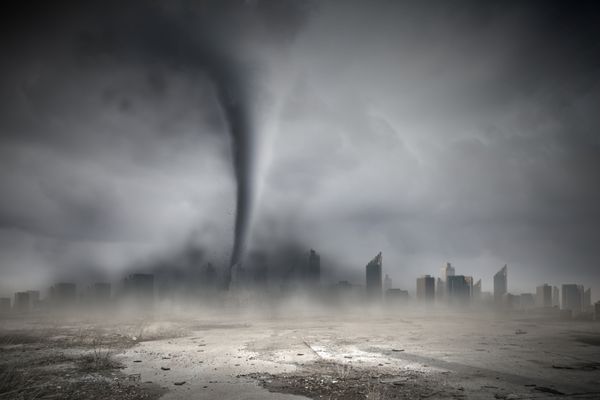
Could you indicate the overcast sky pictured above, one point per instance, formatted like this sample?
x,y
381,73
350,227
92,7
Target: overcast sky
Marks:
x,y
465,132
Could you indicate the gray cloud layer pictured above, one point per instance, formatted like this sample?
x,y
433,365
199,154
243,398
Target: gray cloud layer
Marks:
x,y
459,131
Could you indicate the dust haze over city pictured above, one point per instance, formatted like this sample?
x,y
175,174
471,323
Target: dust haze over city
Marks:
x,y
300,199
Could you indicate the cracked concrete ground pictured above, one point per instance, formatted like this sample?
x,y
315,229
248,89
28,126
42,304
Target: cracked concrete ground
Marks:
x,y
434,355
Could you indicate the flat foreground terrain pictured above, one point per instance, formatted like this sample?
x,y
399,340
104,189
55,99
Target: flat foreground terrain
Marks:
x,y
431,355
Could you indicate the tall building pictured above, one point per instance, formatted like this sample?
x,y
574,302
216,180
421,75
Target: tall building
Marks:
x,y
572,298
587,299
446,271
387,283
543,296
476,295
500,284
459,288
426,288
373,272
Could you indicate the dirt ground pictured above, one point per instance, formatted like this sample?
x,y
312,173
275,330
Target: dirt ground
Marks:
x,y
433,355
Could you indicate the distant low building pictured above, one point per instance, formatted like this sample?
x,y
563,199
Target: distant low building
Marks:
x,y
543,296
63,294
597,311
396,296
22,302
4,305
387,283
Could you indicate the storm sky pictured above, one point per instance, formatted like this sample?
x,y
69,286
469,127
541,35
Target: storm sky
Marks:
x,y
465,132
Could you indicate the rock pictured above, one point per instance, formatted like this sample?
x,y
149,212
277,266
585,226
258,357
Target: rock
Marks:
x,y
179,383
397,349
165,368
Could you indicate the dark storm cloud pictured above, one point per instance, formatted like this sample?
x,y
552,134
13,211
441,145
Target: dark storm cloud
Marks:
x,y
440,131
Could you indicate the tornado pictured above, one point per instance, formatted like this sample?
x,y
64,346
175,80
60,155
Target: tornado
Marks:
x,y
232,93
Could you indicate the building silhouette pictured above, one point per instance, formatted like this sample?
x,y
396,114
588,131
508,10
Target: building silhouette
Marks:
x,y
500,284
387,283
63,294
543,296
395,296
373,277
459,288
446,271
572,298
426,288
22,302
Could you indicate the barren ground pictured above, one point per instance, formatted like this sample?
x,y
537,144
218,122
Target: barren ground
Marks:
x,y
428,356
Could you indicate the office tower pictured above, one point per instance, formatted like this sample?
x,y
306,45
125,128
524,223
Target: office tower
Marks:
x,y
572,298
426,288
314,267
476,295
446,271
459,288
587,299
22,302
387,283
555,297
4,305
442,289
597,311
63,294
500,284
543,296
373,275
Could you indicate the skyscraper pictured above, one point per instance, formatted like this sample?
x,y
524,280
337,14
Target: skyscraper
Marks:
x,y
500,284
459,288
373,270
543,296
446,271
572,297
426,288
